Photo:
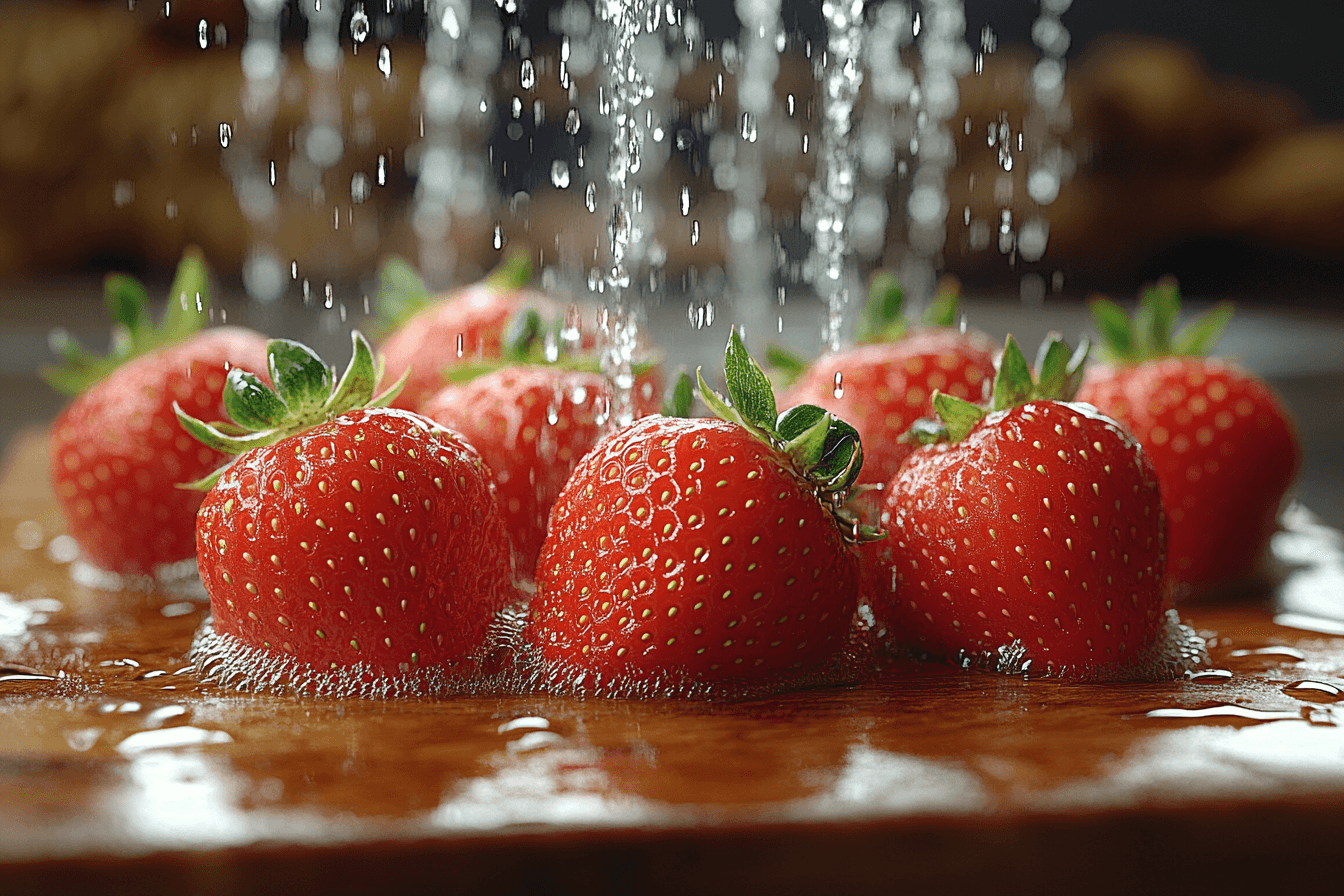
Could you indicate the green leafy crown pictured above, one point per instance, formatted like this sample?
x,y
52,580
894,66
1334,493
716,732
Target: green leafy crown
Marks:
x,y
133,333
883,319
306,394
826,450
1151,332
1061,373
402,293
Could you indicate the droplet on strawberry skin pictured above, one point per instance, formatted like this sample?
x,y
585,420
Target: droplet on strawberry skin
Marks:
x,y
704,558
349,549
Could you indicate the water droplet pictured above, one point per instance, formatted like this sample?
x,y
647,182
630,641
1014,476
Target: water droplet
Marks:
x,y
499,236
838,389
1314,691
225,134
572,122
590,197
527,74
361,187
359,24
385,61
685,201
1226,712
202,34
1209,676
695,233
560,174
1291,653
382,171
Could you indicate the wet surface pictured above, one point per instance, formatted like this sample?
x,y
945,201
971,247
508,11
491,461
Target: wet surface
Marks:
x,y
109,746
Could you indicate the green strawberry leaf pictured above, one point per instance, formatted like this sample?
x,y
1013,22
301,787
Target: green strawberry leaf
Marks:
x,y
1052,365
303,381
250,403
786,365
1199,335
882,318
188,297
803,429
401,293
930,430
523,334
356,386
1115,327
128,302
842,457
683,396
959,416
942,311
304,396
749,388
133,333
1012,384
513,273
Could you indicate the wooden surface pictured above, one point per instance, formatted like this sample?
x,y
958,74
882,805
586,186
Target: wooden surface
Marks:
x,y
120,773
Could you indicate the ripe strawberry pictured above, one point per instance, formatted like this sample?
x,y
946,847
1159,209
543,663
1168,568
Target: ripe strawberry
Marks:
x,y
349,549
1031,538
703,556
531,424
1224,446
466,326
887,382
116,450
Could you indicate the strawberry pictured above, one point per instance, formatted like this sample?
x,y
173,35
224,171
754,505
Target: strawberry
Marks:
x,y
887,382
349,548
1224,446
1031,537
691,557
116,449
531,423
469,325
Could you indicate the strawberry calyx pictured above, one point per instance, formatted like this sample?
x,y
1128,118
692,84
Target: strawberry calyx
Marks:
x,y
1151,331
1060,375
825,450
883,319
306,394
402,293
134,333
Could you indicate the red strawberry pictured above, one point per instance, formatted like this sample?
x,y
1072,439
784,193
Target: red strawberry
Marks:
x,y
468,325
1032,540
117,452
703,556
1224,446
887,382
531,424
348,550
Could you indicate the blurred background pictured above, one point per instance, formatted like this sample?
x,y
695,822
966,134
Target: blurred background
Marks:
x,y
1202,138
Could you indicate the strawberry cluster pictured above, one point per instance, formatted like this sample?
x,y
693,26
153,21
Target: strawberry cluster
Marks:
x,y
502,528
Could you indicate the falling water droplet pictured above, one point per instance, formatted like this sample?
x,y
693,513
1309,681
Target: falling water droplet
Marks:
x,y
225,134
272,172
572,122
695,233
385,61
361,187
329,296
499,236
590,197
203,34
359,24
527,74
560,174
382,171
838,390
685,201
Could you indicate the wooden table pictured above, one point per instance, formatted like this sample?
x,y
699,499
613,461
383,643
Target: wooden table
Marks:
x,y
121,773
